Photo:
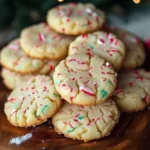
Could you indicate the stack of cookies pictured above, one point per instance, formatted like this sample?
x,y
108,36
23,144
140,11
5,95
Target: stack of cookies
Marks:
x,y
36,52
84,93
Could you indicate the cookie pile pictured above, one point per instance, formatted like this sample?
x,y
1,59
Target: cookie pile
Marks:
x,y
36,52
94,73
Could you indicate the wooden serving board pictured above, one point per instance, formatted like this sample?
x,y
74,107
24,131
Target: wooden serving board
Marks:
x,y
132,132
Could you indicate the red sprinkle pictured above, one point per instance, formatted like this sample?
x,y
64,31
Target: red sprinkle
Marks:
x,y
77,115
136,72
86,82
140,77
116,42
130,84
89,54
70,125
41,37
86,92
89,22
84,35
146,99
110,117
65,122
102,72
73,78
75,120
13,113
51,67
67,19
71,89
63,29
114,50
102,41
11,99
74,47
118,91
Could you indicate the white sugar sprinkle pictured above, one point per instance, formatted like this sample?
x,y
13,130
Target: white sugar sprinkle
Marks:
x,y
107,64
88,10
18,140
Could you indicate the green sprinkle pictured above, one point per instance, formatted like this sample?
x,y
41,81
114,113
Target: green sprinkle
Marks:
x,y
15,105
56,95
18,118
49,40
103,93
80,117
91,47
35,114
44,109
110,82
69,131
57,82
36,63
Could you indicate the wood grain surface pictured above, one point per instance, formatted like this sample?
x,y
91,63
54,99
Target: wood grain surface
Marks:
x,y
132,132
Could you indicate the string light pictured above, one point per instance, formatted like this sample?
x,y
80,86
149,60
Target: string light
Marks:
x,y
136,1
60,0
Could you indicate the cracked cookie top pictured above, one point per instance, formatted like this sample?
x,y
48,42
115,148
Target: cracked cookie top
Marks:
x,y
105,45
32,103
40,41
86,122
84,79
13,58
135,51
133,90
75,18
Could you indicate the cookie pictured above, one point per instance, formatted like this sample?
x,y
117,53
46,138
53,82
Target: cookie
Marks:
x,y
135,52
133,91
40,41
86,122
13,79
75,18
84,79
105,45
32,103
13,58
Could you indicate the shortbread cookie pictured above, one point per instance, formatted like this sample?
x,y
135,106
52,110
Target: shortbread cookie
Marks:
x,y
84,80
135,52
32,103
39,41
86,122
13,79
133,92
75,19
13,58
105,45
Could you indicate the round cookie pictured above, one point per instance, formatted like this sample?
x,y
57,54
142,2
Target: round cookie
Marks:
x,y
13,79
13,58
84,79
75,18
135,51
105,45
133,92
32,103
86,122
40,41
